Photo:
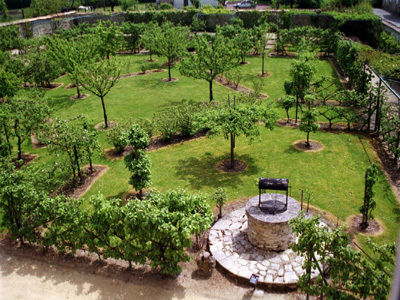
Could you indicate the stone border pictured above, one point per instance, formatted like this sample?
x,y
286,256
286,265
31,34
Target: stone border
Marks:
x,y
233,252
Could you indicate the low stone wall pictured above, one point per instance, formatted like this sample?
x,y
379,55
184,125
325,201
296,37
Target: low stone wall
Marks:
x,y
267,231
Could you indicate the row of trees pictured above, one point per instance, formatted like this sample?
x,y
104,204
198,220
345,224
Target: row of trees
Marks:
x,y
155,230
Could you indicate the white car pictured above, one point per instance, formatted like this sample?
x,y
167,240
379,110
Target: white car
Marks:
x,y
245,4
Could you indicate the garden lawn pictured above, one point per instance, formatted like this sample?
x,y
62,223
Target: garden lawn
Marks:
x,y
335,175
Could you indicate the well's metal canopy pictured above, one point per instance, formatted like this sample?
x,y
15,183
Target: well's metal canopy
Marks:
x,y
273,205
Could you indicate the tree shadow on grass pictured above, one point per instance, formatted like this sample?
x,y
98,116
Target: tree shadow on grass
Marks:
x,y
61,102
202,171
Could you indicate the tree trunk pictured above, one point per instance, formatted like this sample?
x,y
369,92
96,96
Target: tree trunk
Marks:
x,y
19,142
78,90
232,150
169,70
104,112
308,140
297,108
287,113
211,92
140,194
262,72
78,167
90,162
220,211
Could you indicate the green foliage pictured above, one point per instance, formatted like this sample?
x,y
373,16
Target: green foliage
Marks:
x,y
166,6
214,56
309,119
137,137
177,17
9,84
4,10
219,197
139,164
210,10
388,41
47,7
352,276
196,3
126,4
132,34
109,38
287,102
391,131
170,42
369,203
117,136
99,78
24,114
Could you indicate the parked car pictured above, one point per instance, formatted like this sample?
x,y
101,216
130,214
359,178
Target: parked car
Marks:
x,y
245,4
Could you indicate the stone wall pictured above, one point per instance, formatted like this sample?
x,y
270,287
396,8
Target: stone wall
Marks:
x,y
271,232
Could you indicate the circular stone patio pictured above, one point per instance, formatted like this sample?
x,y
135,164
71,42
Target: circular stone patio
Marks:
x,y
232,250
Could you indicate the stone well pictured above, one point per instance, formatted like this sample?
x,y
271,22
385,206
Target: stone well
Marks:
x,y
271,232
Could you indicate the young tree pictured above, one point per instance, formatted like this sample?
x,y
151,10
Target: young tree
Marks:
x,y
71,55
309,119
287,102
109,37
302,72
9,84
132,33
170,42
351,275
243,43
138,161
219,198
26,114
213,56
369,202
149,38
90,141
235,119
99,78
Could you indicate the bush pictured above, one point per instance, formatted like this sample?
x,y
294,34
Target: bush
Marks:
x,y
117,136
167,124
165,6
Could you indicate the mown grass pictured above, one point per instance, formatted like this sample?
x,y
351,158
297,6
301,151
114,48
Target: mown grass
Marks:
x,y
334,175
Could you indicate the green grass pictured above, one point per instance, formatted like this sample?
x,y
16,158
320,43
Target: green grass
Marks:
x,y
335,175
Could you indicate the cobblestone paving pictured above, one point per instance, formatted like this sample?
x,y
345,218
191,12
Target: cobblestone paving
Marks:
x,y
232,250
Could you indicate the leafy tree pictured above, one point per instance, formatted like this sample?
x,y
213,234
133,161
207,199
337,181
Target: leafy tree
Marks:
x,y
391,130
138,161
90,142
287,102
9,84
149,38
352,276
109,38
69,137
219,198
42,69
71,55
235,119
170,42
47,7
132,34
243,43
331,113
308,120
213,56
302,72
99,78
117,136
4,10
24,201
26,113
369,202
162,225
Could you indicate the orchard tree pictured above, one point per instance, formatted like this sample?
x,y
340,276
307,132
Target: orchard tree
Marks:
x,y
235,119
219,197
99,78
9,84
90,142
71,55
243,44
369,202
149,38
351,274
26,114
170,42
309,119
287,102
302,72
161,228
213,56
109,38
138,161
132,33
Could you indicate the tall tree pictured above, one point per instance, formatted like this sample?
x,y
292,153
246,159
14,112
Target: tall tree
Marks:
x,y
213,56
369,202
99,78
170,42
110,38
26,114
309,119
138,161
149,38
71,55
234,119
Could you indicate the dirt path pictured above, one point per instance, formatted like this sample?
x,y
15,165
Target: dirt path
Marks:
x,y
25,277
